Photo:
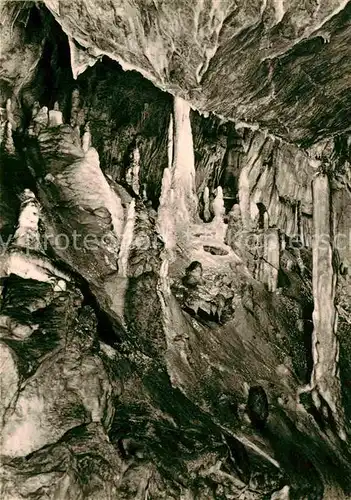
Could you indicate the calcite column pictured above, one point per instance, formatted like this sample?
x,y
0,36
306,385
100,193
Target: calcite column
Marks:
x,y
325,382
178,201
219,211
183,162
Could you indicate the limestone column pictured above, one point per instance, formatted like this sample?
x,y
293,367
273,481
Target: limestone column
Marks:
x,y
325,382
183,163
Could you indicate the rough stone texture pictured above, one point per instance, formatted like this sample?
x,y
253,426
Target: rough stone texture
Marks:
x,y
155,374
18,61
281,65
82,464
53,380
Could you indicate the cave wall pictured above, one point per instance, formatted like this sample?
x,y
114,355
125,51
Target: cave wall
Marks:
x,y
146,369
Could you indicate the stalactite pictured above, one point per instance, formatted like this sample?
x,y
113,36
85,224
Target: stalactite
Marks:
x,y
178,200
165,218
325,382
127,240
80,59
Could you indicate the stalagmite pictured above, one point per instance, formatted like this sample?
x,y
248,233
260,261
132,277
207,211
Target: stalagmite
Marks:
x,y
35,109
55,116
136,170
218,203
325,382
2,125
165,220
41,120
75,106
86,139
9,113
132,173
269,251
265,221
234,228
8,107
178,200
27,232
7,129
219,211
8,141
127,240
129,176
26,257
206,199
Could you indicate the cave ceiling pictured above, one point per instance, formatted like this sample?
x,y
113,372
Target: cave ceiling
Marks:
x,y
283,66
279,66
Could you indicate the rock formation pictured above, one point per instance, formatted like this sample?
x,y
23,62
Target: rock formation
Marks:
x,y
175,250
